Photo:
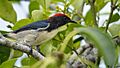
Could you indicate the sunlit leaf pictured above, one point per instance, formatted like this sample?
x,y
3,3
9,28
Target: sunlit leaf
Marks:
x,y
114,29
39,15
89,18
7,12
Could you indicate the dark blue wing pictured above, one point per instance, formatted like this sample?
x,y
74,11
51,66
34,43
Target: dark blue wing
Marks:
x,y
34,25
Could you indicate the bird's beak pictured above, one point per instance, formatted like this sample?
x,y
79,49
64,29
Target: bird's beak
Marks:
x,y
73,21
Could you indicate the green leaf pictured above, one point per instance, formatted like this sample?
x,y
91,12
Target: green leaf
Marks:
x,y
99,4
21,23
17,54
8,64
44,3
26,66
7,12
55,1
77,4
49,62
66,40
46,48
3,32
115,17
103,42
28,61
89,18
4,53
34,5
114,29
38,15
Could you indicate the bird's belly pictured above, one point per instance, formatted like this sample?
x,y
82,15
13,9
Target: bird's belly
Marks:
x,y
33,37
44,36
26,33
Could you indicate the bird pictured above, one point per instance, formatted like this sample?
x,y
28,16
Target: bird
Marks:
x,y
41,31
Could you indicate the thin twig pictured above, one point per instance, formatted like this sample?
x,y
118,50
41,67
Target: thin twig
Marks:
x,y
113,7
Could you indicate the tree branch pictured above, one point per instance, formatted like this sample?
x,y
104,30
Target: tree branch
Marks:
x,y
20,47
87,54
113,7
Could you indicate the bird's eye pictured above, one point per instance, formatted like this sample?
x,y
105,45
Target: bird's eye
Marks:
x,y
64,17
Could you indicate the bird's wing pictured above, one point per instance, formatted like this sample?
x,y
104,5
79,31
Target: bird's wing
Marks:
x,y
41,29
35,25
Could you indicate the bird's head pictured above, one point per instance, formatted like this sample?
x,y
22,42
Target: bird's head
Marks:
x,y
58,20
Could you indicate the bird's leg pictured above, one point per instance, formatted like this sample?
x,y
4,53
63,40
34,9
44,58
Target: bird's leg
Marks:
x,y
26,43
38,49
31,51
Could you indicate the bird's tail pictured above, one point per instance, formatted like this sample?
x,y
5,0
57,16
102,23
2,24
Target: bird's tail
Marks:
x,y
10,35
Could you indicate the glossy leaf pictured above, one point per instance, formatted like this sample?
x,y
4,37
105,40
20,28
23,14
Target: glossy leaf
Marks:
x,y
115,17
103,42
38,15
114,29
89,18
7,12
21,23
8,63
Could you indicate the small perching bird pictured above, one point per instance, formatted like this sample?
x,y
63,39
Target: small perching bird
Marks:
x,y
39,32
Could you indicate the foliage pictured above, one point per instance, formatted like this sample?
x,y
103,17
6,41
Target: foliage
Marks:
x,y
59,49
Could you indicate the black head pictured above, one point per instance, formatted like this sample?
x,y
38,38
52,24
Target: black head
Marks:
x,y
58,20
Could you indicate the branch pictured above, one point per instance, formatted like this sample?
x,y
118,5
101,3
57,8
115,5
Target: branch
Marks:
x,y
20,47
113,7
87,54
